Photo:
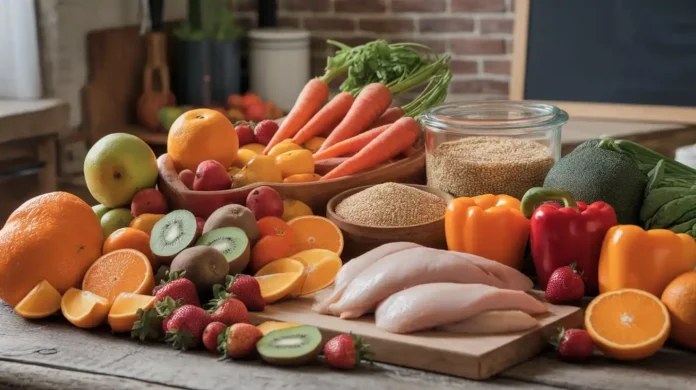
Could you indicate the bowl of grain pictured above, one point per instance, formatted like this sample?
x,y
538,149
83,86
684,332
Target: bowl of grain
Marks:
x,y
374,215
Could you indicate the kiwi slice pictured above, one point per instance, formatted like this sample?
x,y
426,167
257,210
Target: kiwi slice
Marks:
x,y
172,234
234,215
290,346
233,243
205,266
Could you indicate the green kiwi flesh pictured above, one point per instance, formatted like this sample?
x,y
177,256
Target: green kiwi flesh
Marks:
x,y
234,215
205,266
290,346
233,243
173,233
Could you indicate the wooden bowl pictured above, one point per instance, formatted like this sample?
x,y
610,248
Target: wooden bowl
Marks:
x,y
314,194
359,239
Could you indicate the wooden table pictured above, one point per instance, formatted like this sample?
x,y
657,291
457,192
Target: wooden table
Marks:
x,y
50,354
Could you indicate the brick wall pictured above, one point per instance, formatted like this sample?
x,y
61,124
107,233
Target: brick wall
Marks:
x,y
477,33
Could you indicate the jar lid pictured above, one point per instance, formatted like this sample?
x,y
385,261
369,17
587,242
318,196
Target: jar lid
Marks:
x,y
493,115
278,34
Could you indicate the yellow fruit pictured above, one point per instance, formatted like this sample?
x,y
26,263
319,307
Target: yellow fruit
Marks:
x,y
269,326
627,324
314,143
124,311
146,222
41,302
256,148
231,171
84,309
321,268
243,157
244,177
302,178
265,169
313,231
294,208
283,147
295,162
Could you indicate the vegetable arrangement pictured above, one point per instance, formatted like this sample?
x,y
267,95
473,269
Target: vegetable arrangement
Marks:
x,y
358,122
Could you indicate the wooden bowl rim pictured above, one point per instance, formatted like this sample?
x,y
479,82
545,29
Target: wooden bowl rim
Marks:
x,y
419,154
331,205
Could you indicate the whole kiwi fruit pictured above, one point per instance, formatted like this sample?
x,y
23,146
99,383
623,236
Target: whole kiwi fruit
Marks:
x,y
234,215
205,266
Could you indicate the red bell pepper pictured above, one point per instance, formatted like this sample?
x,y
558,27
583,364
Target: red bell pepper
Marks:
x,y
561,235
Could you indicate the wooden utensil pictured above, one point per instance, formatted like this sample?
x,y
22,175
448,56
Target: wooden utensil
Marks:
x,y
156,91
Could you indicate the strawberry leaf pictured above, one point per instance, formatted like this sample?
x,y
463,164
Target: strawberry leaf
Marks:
x,y
180,339
171,276
222,343
362,351
147,326
166,307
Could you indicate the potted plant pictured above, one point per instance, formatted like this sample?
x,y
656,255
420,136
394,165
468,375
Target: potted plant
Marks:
x,y
208,54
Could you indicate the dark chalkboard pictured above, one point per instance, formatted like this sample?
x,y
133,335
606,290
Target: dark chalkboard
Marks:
x,y
612,51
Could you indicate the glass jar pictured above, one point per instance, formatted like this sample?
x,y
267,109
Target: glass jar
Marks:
x,y
491,147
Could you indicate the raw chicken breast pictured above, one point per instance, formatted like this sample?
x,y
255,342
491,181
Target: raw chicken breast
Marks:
x,y
494,321
355,266
431,305
421,265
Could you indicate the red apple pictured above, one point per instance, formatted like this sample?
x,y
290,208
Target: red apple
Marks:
x,y
264,201
149,201
211,176
255,112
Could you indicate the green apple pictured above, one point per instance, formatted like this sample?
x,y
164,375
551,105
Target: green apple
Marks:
x,y
100,210
117,166
167,116
115,219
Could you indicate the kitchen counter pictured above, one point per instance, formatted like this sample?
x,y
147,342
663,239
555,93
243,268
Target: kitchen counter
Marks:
x,y
52,354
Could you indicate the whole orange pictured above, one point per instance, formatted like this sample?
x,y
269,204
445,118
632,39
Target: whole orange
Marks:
x,y
200,135
54,236
129,238
680,299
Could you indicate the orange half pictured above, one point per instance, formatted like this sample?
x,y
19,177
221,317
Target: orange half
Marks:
x,y
279,278
315,232
83,308
123,270
269,326
627,324
124,311
41,302
321,268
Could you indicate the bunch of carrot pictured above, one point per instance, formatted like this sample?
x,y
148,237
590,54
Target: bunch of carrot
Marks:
x,y
363,126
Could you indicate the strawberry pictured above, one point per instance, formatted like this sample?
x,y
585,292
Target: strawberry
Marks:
x,y
346,351
177,287
245,134
186,325
246,288
573,344
229,311
565,285
211,334
239,340
265,130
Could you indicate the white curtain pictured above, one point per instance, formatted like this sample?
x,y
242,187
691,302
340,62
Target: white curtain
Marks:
x,y
20,71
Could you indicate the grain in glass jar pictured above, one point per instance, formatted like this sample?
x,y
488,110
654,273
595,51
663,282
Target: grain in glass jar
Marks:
x,y
491,147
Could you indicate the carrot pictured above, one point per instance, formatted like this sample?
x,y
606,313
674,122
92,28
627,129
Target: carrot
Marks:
x,y
372,101
389,116
329,116
351,145
397,138
307,104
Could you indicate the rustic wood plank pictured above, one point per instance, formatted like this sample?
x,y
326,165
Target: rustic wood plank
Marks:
x,y
15,375
55,344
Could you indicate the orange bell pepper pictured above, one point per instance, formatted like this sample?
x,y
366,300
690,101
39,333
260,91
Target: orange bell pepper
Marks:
x,y
646,260
490,226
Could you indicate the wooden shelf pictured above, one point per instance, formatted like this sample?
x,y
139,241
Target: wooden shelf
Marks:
x,y
150,137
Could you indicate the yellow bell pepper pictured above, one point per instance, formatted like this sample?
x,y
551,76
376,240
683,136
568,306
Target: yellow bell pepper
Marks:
x,y
490,226
646,260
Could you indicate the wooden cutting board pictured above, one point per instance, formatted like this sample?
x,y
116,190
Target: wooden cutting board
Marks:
x,y
468,356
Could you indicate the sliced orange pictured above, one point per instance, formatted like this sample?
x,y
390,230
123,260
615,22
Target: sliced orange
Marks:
x,y
314,232
84,309
41,302
321,268
279,278
123,270
269,326
124,310
627,324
